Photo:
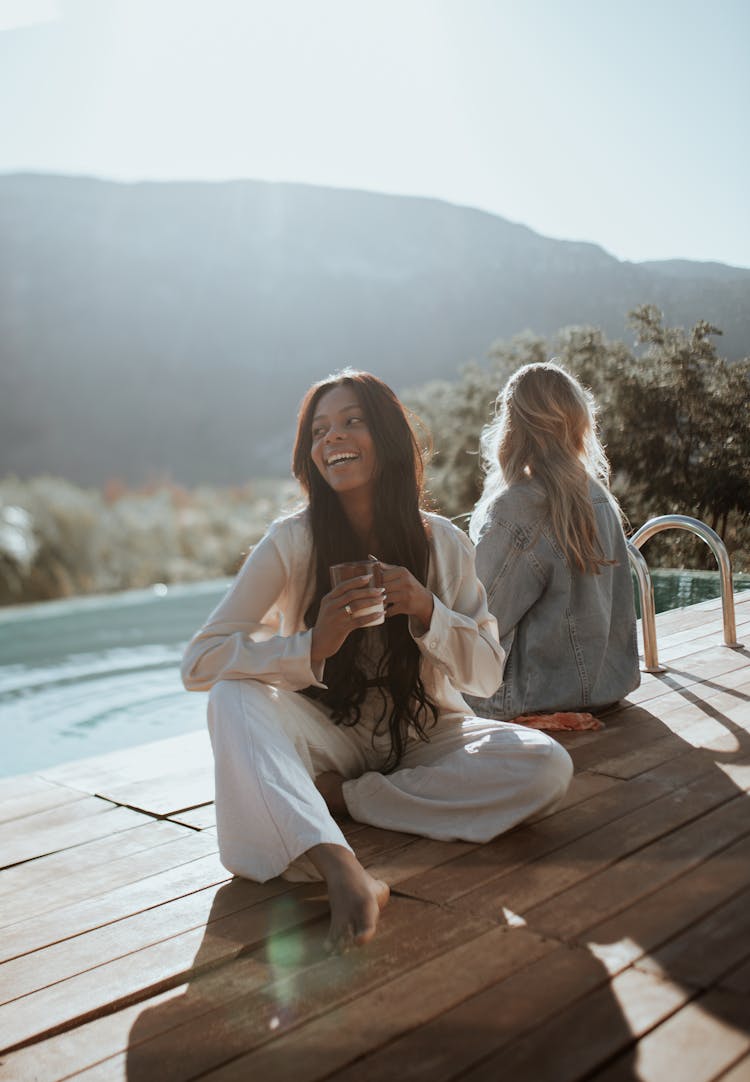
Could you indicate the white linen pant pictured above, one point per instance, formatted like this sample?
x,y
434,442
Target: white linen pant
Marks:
x,y
473,780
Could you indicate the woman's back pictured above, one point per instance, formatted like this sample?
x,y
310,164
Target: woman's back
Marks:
x,y
569,635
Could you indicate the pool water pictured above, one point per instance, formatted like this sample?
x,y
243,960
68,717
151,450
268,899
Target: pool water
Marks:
x,y
677,589
91,675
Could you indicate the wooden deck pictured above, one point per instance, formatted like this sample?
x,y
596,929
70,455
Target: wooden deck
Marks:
x,y
609,941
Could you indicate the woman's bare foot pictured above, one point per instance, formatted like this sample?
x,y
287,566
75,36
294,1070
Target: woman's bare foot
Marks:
x,y
329,786
356,899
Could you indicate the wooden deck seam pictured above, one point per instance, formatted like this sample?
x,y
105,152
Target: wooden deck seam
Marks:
x,y
157,816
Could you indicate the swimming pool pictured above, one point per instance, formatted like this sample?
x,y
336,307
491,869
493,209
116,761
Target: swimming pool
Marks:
x,y
675,589
90,675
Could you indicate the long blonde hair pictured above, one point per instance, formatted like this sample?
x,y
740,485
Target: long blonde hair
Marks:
x,y
544,431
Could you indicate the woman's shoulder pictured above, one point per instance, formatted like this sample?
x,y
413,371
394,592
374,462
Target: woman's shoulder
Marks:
x,y
598,492
522,502
444,533
440,525
291,531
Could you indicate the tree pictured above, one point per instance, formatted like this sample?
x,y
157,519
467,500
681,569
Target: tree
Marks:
x,y
677,421
674,418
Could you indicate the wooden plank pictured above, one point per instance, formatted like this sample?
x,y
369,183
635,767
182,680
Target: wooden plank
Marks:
x,y
710,736
22,905
692,625
58,866
198,818
539,881
529,842
688,766
690,673
170,756
729,695
30,803
585,1035
414,859
645,925
68,958
298,986
318,1046
738,980
685,643
740,1072
70,1052
635,761
153,968
583,786
339,1037
411,934
632,728
614,888
705,638
710,665
679,651
708,950
52,818
165,873
109,822
639,739
694,721
20,785
115,905
485,1025
732,684
698,1044
166,794
370,843
675,686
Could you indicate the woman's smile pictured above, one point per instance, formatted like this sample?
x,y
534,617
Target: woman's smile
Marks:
x,y
341,458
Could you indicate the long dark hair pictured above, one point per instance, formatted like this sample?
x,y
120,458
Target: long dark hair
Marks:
x,y
403,540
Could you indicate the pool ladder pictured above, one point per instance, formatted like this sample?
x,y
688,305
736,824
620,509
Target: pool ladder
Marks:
x,y
646,586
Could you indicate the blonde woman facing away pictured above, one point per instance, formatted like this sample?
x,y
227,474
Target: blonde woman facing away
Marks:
x,y
551,552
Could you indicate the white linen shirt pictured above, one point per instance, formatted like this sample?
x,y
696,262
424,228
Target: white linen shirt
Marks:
x,y
258,632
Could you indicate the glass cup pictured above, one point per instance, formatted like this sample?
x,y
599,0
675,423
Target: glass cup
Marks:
x,y
341,572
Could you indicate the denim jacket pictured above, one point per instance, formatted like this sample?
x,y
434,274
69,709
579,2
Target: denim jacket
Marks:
x,y
569,637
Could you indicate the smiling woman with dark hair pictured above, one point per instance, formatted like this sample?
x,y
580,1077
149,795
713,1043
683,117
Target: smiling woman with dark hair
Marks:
x,y
316,710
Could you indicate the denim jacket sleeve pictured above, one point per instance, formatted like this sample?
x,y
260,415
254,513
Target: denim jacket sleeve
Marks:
x,y
513,576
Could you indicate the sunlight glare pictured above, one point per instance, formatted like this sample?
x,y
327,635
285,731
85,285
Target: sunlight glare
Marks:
x,y
18,13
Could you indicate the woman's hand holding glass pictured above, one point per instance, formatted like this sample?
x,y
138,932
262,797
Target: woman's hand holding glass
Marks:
x,y
405,595
345,609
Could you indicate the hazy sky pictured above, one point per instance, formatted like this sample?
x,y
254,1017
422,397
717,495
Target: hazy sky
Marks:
x,y
620,123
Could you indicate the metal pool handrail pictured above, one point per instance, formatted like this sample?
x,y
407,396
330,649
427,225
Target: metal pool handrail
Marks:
x,y
648,609
717,546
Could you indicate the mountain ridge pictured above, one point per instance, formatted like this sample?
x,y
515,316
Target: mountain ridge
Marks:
x,y
172,327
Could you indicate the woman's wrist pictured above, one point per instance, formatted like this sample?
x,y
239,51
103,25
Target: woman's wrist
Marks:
x,y
317,655
424,615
